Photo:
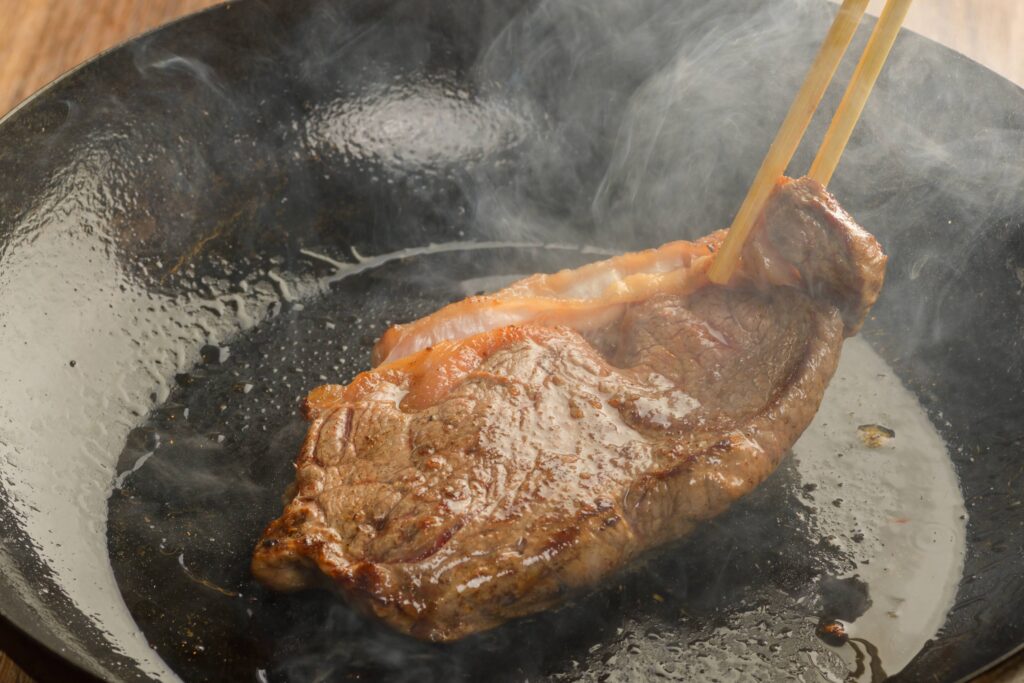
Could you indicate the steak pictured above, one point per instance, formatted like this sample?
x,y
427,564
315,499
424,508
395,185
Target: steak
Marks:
x,y
488,470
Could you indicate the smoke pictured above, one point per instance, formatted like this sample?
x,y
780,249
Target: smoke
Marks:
x,y
655,117
648,120
150,60
657,113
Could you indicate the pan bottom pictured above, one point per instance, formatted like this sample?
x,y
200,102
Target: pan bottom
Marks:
x,y
853,535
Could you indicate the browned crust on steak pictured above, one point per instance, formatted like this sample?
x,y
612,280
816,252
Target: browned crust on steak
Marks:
x,y
838,260
552,465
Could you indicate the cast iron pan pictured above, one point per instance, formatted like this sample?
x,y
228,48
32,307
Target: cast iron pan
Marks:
x,y
198,227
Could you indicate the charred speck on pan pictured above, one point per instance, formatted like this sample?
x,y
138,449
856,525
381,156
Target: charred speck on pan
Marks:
x,y
845,599
875,436
833,633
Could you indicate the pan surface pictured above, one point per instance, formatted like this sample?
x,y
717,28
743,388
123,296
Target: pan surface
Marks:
x,y
202,225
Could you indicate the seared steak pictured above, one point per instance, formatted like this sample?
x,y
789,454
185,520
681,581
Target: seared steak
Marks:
x,y
487,477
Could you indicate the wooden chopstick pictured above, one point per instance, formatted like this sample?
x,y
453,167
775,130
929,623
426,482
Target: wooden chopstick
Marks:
x,y
788,138
857,92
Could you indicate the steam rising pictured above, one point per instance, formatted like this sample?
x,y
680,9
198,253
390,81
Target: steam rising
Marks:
x,y
683,98
687,96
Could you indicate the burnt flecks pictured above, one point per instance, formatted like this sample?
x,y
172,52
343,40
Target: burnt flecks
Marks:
x,y
874,435
846,599
832,633
215,355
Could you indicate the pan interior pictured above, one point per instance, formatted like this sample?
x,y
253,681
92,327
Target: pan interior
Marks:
x,y
744,598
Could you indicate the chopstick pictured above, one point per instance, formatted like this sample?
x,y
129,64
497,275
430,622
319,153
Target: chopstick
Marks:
x,y
857,92
788,138
840,129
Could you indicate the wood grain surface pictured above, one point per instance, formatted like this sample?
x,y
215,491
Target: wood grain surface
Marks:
x,y
988,31
40,39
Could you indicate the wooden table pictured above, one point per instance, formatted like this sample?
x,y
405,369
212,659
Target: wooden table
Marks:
x,y
40,39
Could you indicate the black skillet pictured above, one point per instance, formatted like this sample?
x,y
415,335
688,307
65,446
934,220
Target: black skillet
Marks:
x,y
175,217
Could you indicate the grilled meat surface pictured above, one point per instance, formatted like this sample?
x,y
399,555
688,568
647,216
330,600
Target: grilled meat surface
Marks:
x,y
489,469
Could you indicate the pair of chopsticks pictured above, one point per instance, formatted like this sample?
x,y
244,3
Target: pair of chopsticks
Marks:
x,y
802,110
